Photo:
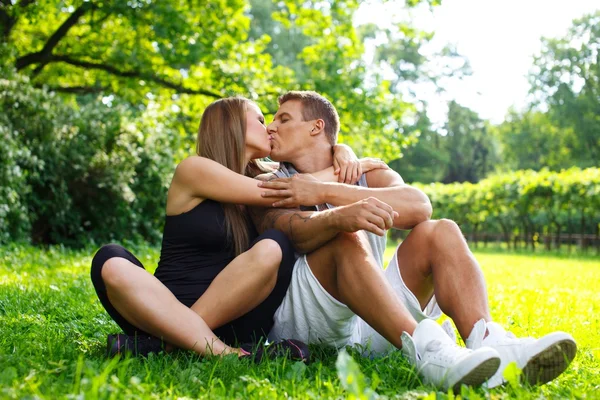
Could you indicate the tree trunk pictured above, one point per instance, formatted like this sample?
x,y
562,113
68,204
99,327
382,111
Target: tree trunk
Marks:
x,y
598,239
570,231
582,232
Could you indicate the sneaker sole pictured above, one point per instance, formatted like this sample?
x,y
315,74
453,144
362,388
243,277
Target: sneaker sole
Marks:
x,y
480,374
550,362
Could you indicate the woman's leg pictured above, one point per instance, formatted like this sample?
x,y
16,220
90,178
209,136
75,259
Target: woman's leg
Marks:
x,y
100,258
140,302
241,301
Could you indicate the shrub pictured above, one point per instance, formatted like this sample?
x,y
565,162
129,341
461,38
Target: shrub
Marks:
x,y
79,173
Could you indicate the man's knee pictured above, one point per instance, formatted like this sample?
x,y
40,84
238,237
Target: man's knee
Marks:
x,y
348,242
445,228
435,231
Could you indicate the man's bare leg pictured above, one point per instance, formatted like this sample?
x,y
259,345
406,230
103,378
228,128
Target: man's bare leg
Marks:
x,y
435,258
348,271
346,268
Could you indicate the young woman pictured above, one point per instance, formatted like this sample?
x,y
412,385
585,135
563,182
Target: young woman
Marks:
x,y
217,282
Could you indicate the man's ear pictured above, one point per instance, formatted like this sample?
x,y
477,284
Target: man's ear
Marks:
x,y
318,127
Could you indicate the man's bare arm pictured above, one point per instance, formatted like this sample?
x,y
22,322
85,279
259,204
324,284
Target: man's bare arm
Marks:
x,y
411,204
308,230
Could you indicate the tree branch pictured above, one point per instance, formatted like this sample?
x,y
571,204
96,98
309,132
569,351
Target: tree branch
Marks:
x,y
7,21
25,3
43,55
133,74
73,89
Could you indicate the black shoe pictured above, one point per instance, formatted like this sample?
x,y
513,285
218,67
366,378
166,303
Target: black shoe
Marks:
x,y
136,345
293,349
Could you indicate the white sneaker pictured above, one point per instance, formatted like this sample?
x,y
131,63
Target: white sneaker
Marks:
x,y
444,364
540,360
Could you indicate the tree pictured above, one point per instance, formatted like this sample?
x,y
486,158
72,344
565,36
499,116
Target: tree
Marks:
x,y
472,150
102,98
184,55
131,48
426,160
531,140
326,53
567,77
371,100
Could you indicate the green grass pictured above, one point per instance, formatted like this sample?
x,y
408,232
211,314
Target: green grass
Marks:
x,y
53,334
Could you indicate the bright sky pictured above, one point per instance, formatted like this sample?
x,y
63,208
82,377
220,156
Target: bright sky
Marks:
x,y
499,37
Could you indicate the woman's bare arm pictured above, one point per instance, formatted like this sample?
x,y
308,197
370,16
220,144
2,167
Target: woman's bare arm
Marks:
x,y
199,177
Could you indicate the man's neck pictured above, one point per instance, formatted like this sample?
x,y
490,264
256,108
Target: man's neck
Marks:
x,y
313,161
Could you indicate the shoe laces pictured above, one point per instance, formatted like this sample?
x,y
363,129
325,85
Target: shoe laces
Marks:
x,y
507,338
445,353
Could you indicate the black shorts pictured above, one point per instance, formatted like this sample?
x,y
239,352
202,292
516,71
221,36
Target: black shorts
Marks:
x,y
248,328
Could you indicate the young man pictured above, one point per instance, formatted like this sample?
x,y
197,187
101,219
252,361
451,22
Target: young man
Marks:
x,y
340,294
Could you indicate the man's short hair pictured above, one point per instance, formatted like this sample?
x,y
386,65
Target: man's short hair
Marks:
x,y
315,106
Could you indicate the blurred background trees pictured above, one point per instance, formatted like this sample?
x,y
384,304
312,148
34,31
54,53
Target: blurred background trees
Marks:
x,y
100,99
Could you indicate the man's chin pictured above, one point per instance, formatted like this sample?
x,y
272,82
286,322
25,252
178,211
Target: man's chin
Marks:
x,y
274,156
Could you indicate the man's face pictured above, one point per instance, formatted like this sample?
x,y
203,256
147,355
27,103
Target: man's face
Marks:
x,y
289,133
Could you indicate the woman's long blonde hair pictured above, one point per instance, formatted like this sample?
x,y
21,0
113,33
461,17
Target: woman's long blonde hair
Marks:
x,y
222,138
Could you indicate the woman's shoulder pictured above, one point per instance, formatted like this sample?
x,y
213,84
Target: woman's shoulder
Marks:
x,y
194,166
195,162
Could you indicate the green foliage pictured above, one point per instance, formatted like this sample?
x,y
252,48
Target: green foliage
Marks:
x,y
468,152
527,203
565,82
567,78
531,140
78,173
352,379
53,336
14,218
320,43
471,149
187,54
426,160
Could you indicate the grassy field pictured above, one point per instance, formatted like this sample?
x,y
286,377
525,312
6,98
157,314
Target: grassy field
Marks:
x,y
53,334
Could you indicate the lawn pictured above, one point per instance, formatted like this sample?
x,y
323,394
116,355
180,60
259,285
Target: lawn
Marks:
x,y
53,335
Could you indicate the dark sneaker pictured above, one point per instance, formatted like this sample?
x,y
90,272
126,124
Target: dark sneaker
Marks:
x,y
136,345
292,349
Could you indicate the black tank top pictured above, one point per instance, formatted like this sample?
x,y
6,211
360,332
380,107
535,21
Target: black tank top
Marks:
x,y
194,250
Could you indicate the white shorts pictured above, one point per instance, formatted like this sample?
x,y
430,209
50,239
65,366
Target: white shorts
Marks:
x,y
310,314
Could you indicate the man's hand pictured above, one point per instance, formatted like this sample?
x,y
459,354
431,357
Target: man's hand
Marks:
x,y
370,214
299,190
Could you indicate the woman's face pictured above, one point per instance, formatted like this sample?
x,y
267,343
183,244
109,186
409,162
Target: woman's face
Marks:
x,y
258,144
